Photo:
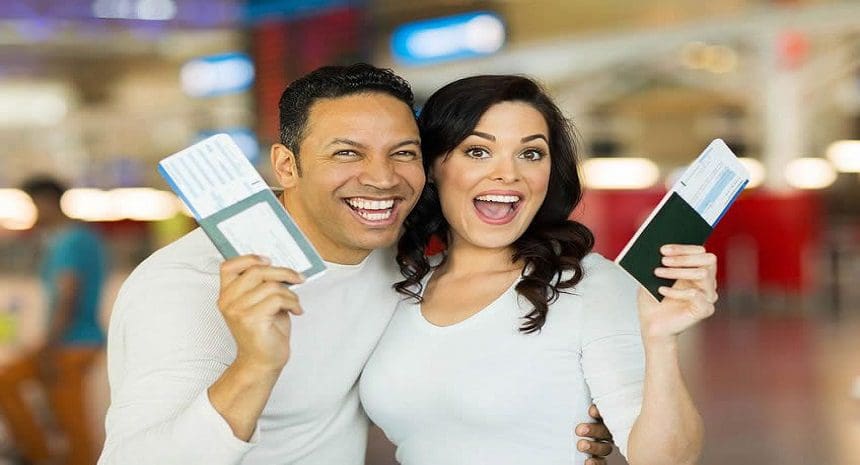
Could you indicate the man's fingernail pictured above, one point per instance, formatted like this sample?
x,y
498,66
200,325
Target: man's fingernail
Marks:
x,y
582,447
265,260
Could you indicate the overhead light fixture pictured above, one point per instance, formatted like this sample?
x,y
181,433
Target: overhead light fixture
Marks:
x,y
144,204
809,173
17,210
620,173
146,10
717,59
845,155
25,104
138,203
88,205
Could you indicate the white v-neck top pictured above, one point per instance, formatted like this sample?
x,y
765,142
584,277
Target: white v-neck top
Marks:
x,y
482,392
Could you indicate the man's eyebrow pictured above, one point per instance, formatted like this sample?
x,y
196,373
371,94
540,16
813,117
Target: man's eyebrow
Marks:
x,y
406,142
484,135
346,142
533,137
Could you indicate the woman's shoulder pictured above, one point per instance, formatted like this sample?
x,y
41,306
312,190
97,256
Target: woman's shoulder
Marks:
x,y
598,272
605,290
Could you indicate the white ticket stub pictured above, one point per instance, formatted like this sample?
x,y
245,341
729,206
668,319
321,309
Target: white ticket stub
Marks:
x,y
235,207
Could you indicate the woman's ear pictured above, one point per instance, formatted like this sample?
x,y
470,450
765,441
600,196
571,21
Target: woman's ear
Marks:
x,y
285,165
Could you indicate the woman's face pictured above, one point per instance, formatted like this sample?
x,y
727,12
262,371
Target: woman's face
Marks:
x,y
492,185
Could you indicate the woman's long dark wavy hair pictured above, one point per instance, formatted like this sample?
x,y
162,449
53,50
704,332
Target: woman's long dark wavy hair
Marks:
x,y
552,243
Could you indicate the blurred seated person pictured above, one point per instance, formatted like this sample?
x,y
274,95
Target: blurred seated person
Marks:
x,y
72,272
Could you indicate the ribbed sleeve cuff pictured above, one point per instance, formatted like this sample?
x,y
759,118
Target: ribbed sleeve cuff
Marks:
x,y
210,435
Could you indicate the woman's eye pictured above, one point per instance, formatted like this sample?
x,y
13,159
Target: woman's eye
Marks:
x,y
532,155
477,152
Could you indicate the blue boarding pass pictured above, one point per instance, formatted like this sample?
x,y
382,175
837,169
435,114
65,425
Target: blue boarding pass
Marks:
x,y
235,207
712,183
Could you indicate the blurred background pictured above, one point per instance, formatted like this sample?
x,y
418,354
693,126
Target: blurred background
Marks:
x,y
95,92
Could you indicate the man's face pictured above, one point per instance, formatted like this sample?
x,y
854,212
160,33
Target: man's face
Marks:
x,y
361,174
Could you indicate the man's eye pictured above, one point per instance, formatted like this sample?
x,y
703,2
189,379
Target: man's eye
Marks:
x,y
346,153
405,154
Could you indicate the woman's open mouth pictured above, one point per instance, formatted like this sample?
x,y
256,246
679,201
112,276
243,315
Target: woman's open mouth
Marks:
x,y
497,208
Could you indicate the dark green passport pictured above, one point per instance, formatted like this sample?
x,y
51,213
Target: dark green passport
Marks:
x,y
676,222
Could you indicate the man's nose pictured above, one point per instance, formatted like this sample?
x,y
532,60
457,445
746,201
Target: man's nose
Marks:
x,y
379,173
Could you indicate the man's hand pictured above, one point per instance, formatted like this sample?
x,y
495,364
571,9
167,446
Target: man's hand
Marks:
x,y
598,439
256,304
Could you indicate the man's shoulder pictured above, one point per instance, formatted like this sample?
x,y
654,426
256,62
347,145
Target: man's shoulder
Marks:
x,y
184,271
192,252
173,291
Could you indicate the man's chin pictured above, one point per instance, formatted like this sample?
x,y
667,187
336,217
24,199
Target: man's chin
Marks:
x,y
371,240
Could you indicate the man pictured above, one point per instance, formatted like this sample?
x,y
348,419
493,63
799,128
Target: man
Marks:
x,y
251,384
72,271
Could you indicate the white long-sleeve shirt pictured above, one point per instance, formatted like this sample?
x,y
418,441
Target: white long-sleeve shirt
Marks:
x,y
167,343
481,392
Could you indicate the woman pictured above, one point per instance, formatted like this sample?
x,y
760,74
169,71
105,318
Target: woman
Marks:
x,y
516,327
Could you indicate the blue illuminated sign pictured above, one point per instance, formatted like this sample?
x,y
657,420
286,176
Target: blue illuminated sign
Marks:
x,y
449,38
215,75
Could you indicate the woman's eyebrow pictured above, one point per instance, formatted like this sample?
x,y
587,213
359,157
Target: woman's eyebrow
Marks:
x,y
533,137
484,135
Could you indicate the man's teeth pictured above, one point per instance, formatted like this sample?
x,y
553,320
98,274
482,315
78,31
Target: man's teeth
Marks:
x,y
372,210
498,198
374,216
364,204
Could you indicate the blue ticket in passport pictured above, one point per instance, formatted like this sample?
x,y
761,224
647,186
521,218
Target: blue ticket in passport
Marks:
x,y
235,206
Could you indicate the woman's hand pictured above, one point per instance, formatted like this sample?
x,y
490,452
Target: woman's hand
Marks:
x,y
690,300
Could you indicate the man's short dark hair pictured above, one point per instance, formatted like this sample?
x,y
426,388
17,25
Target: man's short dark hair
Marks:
x,y
44,185
333,82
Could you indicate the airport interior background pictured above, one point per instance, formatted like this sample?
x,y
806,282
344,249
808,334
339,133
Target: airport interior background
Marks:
x,y
96,92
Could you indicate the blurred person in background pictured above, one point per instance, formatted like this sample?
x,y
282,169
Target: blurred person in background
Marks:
x,y
72,271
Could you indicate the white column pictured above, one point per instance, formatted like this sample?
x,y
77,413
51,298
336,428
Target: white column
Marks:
x,y
785,128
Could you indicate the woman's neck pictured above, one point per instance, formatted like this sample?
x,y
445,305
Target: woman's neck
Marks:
x,y
464,258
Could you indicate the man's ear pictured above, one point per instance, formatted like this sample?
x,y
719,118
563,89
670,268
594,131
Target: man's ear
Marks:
x,y
285,165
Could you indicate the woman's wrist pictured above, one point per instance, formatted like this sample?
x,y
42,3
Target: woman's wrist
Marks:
x,y
660,343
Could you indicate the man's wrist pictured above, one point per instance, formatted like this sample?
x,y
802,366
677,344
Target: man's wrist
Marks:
x,y
253,371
